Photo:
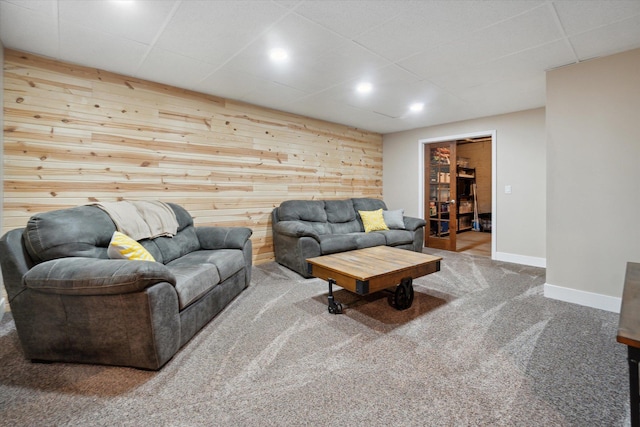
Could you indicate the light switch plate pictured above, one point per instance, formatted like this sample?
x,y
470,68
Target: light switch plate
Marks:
x,y
507,189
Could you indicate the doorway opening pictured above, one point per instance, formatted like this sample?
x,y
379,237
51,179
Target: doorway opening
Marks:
x,y
458,192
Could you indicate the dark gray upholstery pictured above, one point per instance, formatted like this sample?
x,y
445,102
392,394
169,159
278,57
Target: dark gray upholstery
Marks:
x,y
308,228
71,303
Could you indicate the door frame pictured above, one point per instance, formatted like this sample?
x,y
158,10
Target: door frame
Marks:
x,y
494,182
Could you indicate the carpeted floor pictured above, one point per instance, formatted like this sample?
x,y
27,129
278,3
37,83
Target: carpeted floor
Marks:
x,y
480,346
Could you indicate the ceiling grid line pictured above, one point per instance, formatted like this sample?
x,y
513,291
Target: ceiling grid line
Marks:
x,y
168,19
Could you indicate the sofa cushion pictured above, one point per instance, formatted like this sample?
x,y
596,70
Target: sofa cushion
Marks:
x,y
332,243
339,211
184,242
227,261
193,280
368,240
373,220
397,237
394,219
345,227
302,210
122,246
83,231
367,204
308,212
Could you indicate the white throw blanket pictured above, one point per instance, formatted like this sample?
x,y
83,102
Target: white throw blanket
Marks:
x,y
141,219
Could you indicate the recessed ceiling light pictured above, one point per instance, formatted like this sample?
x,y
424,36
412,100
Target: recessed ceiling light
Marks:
x,y
364,87
278,54
416,106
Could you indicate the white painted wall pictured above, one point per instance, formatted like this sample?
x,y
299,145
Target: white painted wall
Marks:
x,y
520,223
593,191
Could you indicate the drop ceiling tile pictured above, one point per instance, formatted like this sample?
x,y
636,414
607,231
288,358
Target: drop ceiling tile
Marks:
x,y
31,29
391,100
460,62
525,31
289,4
45,7
426,25
301,37
349,18
618,37
229,83
214,31
172,69
514,95
305,42
299,75
580,16
348,61
390,81
273,95
405,35
326,109
512,68
135,20
82,46
521,33
548,56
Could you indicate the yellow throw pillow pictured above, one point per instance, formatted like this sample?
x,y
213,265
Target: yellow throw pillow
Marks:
x,y
373,220
122,246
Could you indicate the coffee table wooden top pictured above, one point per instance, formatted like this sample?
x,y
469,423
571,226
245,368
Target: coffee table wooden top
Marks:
x,y
369,270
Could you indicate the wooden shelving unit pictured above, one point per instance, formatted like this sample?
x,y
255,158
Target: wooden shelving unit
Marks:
x,y
465,180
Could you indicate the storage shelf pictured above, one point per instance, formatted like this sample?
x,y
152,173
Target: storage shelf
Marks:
x,y
465,179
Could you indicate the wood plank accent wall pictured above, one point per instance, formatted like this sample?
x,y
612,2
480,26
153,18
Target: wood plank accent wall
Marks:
x,y
74,135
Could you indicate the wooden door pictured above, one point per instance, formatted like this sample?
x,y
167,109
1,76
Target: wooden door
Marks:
x,y
440,198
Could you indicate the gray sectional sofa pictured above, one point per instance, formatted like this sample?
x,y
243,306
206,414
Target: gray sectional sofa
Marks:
x,y
71,303
308,228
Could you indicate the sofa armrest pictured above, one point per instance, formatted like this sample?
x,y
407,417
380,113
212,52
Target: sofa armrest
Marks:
x,y
94,276
223,237
413,224
295,229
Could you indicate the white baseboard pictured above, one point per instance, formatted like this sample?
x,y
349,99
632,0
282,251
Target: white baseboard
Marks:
x,y
521,259
588,299
1,307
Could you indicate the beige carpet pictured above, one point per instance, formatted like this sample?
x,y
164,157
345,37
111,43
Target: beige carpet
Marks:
x,y
480,346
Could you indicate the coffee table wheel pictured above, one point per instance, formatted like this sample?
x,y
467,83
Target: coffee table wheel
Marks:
x,y
335,308
403,296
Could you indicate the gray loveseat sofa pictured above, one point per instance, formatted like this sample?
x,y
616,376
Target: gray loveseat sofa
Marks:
x,y
71,303
308,228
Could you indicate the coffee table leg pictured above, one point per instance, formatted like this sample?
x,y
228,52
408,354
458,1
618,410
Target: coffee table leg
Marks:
x,y
334,307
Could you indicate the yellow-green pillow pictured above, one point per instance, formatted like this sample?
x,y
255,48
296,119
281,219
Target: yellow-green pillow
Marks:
x,y
373,220
122,246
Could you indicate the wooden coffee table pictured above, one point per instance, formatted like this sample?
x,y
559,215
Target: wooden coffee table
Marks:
x,y
364,271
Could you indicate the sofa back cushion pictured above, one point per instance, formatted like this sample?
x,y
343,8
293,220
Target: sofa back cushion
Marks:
x,y
309,212
85,231
341,216
367,204
166,249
